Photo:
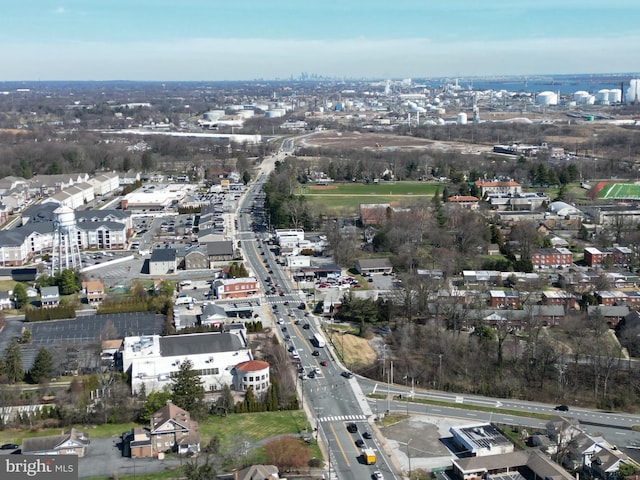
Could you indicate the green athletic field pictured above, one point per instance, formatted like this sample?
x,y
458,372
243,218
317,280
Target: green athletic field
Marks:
x,y
620,191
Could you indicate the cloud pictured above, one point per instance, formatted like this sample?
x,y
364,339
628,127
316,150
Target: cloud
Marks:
x,y
59,10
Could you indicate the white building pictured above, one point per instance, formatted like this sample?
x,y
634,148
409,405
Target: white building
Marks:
x,y
150,360
105,183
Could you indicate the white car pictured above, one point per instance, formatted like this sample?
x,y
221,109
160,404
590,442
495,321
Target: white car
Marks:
x,y
378,474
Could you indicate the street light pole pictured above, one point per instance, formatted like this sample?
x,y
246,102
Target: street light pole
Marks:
x,y
409,456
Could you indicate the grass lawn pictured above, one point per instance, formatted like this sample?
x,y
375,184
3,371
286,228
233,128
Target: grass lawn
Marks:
x,y
254,426
345,198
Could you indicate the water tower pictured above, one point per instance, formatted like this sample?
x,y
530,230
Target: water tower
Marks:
x,y
66,253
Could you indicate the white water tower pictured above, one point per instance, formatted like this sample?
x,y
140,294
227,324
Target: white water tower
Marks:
x,y
65,251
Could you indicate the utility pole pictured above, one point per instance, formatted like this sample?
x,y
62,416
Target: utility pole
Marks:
x,y
409,456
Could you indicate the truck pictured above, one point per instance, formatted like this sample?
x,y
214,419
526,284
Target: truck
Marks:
x,y
369,456
319,340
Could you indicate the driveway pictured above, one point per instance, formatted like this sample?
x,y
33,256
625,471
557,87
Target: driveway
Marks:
x,y
104,458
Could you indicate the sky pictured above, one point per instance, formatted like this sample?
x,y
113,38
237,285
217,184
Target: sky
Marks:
x,y
212,40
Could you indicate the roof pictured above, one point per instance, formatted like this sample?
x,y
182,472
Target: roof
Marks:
x,y
219,248
252,366
93,285
374,263
163,255
49,291
50,442
258,472
199,343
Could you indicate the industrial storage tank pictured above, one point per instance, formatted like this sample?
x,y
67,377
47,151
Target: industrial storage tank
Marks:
x,y
213,115
602,96
547,98
461,119
245,113
615,95
581,97
275,113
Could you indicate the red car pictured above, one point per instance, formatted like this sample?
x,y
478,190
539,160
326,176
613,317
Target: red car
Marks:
x,y
324,363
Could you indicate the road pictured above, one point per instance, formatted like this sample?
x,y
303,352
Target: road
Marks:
x,y
329,399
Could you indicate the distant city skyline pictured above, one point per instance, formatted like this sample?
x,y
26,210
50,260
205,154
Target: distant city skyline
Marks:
x,y
213,40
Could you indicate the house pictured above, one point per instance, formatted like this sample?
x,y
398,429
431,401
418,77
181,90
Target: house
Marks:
x,y
93,291
163,261
552,258
606,463
504,299
104,183
374,265
171,429
519,462
235,287
558,297
258,472
465,201
50,296
73,442
5,300
612,314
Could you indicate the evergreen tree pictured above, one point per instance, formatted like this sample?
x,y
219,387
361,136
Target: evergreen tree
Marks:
x,y
67,282
42,366
186,389
13,362
20,295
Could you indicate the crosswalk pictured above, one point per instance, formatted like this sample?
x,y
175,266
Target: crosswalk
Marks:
x,y
342,418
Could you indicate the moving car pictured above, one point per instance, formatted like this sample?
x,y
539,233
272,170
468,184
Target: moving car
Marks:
x,y
347,374
360,443
10,446
324,363
562,408
315,353
352,427
366,435
377,475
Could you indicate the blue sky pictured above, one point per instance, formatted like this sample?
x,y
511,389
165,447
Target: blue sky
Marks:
x,y
248,39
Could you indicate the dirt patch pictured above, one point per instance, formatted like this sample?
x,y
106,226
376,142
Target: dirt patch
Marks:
x,y
357,351
322,187
364,140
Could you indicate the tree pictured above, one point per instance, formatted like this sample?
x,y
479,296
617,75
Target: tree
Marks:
x,y
13,362
186,389
193,470
287,453
67,282
20,295
42,366
154,402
